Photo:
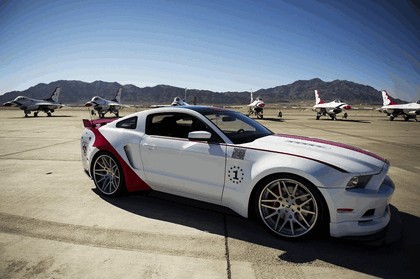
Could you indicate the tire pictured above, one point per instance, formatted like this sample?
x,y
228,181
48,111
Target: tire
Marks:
x,y
290,207
107,174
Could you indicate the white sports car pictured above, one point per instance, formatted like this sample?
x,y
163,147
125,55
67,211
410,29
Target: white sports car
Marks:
x,y
296,186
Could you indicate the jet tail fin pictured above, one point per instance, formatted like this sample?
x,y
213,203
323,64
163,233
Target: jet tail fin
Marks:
x,y
387,99
55,95
118,96
318,98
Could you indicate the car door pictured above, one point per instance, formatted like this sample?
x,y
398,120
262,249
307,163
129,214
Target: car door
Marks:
x,y
176,165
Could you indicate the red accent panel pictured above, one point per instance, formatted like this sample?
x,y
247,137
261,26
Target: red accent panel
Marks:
x,y
97,122
333,143
132,181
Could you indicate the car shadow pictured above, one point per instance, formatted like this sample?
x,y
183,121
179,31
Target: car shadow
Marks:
x,y
397,258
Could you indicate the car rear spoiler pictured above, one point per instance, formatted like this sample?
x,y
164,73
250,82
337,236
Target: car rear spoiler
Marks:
x,y
97,122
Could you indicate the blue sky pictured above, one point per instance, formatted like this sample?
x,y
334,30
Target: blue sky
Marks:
x,y
219,45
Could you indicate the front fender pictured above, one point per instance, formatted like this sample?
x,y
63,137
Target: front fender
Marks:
x,y
238,196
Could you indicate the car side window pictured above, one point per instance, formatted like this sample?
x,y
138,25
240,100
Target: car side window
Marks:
x,y
176,125
129,123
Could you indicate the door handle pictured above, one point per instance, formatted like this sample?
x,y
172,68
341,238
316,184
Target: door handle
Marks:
x,y
149,146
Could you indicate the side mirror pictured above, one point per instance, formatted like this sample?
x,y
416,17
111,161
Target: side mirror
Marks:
x,y
199,136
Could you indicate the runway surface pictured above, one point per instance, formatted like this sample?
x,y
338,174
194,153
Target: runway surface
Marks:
x,y
54,224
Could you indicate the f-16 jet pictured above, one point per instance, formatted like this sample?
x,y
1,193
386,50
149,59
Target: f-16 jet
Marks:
x,y
392,109
178,102
331,109
102,106
256,107
28,104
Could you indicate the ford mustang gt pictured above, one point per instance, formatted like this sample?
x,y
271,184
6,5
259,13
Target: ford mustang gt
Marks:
x,y
296,186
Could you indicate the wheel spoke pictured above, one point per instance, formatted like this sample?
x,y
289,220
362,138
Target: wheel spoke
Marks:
x,y
307,211
269,201
294,190
271,215
282,226
291,227
300,224
277,222
280,192
271,192
304,220
305,202
285,187
303,196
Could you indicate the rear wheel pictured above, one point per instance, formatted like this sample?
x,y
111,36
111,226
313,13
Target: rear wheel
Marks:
x,y
107,174
290,207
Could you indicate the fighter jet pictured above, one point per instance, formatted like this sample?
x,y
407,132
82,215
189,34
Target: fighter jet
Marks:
x,y
179,102
256,107
102,106
331,108
392,109
28,104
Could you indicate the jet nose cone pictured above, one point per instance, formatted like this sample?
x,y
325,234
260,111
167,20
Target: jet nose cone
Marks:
x,y
88,104
347,107
8,104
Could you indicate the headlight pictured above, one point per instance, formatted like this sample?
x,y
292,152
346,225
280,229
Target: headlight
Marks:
x,y
358,182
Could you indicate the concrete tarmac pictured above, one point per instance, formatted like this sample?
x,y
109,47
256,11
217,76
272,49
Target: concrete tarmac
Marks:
x,y
54,224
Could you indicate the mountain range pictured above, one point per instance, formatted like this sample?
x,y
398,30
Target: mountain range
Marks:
x,y
299,92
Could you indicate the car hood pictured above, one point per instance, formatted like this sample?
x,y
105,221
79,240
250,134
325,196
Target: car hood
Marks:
x,y
345,157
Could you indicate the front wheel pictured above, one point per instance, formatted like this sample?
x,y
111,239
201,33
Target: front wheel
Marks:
x,y
107,174
290,207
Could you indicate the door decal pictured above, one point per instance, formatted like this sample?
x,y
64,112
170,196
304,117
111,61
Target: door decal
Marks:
x,y
235,174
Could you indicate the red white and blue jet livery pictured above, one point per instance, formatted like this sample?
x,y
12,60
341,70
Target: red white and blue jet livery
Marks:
x,y
331,109
28,105
102,106
296,186
392,109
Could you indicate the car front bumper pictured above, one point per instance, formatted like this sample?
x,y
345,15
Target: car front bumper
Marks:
x,y
359,212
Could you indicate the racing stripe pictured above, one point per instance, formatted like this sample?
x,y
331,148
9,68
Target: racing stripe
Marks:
x,y
333,143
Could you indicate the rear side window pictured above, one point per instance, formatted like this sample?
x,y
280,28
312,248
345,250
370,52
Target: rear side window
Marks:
x,y
129,123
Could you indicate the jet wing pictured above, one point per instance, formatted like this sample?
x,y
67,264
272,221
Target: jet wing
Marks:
x,y
115,104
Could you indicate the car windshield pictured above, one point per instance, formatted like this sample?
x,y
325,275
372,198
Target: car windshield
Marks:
x,y
238,127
